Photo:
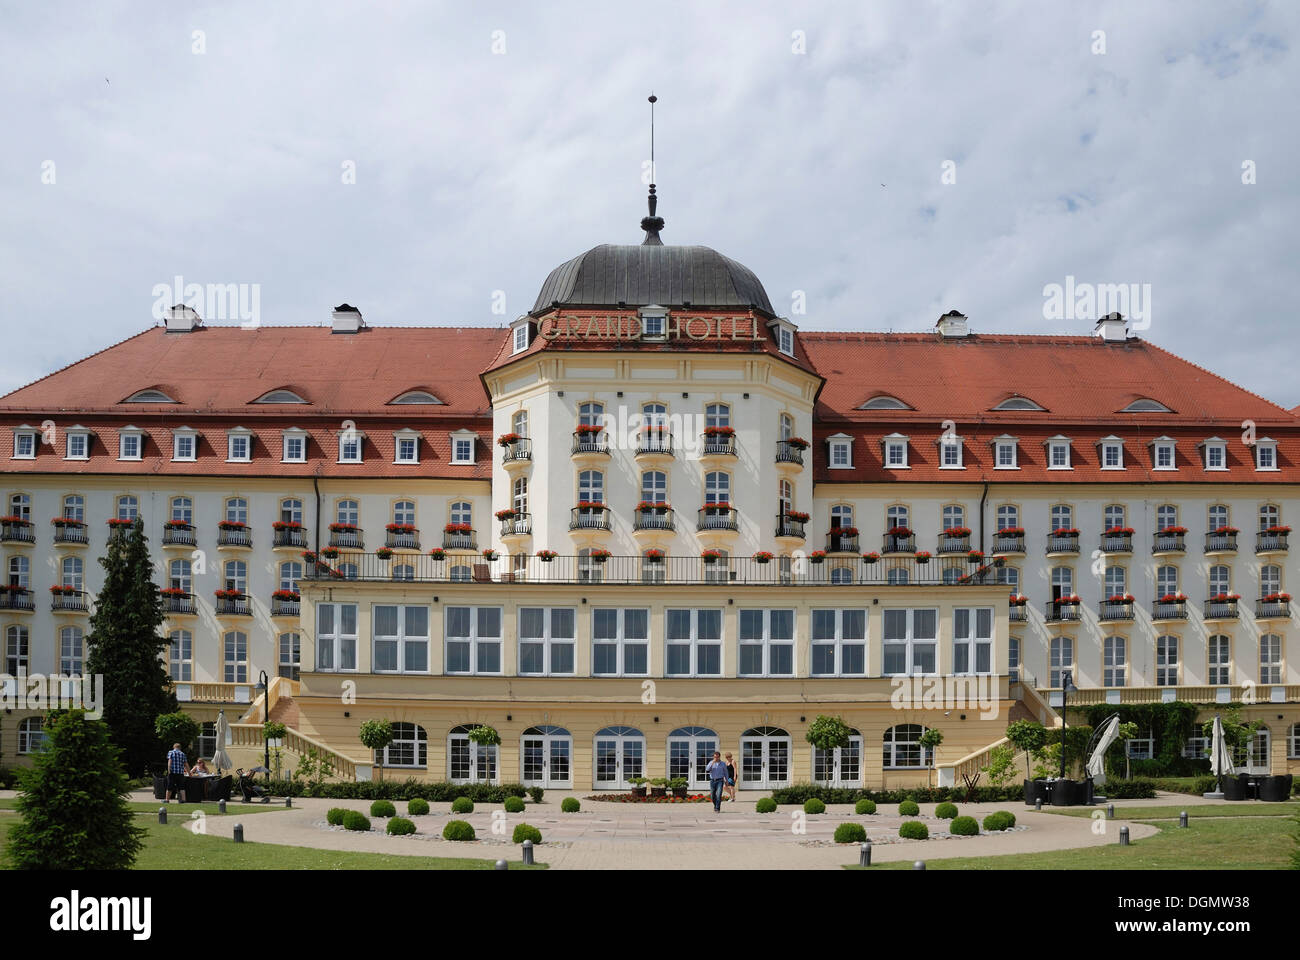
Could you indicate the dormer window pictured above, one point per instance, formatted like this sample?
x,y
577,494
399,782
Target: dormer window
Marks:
x,y
462,446
149,396
839,452
280,396
130,443
239,445
1215,452
895,445
884,402
654,322
1146,405
406,446
1017,402
1162,454
417,397
785,340
25,443
1112,453
295,445
1265,454
1006,453
519,337
184,444
77,440
350,446
1058,453
950,452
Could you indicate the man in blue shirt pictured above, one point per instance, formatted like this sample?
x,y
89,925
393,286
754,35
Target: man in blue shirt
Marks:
x,y
717,771
176,767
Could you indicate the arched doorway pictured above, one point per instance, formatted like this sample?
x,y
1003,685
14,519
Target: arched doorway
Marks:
x,y
546,754
689,751
764,759
618,756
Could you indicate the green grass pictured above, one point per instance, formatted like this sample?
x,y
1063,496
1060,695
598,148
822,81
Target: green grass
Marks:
x,y
180,811
1254,843
1194,812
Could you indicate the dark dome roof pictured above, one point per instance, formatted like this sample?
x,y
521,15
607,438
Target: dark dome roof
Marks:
x,y
643,274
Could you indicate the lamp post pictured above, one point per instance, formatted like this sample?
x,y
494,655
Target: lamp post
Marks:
x,y
1067,684
264,688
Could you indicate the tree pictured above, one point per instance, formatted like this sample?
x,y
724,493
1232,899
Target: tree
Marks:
x,y
126,647
178,727
1123,734
828,733
1001,768
73,802
377,735
930,740
1027,736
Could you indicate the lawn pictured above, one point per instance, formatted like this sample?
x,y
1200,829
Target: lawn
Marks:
x,y
180,811
1194,811
1248,843
174,847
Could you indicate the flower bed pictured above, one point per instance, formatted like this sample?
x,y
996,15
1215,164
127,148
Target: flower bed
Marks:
x,y
630,798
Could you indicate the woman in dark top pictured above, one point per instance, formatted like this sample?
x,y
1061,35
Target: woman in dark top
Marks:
x,y
731,778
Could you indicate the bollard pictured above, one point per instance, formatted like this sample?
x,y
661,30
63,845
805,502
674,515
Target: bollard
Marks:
x,y
1038,804
162,814
1182,819
919,865
288,801
1110,811
528,852
864,857
239,833
221,806
1123,836
501,865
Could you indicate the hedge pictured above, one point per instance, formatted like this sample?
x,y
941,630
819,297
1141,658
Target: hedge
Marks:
x,y
850,833
914,830
946,811
570,805
1135,789
457,830
417,806
462,805
383,808
964,827
434,792
800,792
765,805
813,805
524,831
514,805
865,806
400,826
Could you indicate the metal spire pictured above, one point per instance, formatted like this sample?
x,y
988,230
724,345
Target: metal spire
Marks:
x,y
652,224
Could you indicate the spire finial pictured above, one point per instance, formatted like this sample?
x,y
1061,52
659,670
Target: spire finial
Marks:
x,y
652,224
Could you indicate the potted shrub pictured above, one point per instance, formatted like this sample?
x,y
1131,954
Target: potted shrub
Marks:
x,y
507,438
828,733
546,556
762,556
923,556
659,787
229,594
678,786
437,553
975,556
507,514
638,786
384,553
289,596
599,556
309,556
871,557
712,556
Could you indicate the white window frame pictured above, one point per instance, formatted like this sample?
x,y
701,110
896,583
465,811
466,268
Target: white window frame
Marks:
x,y
130,433
785,340
621,641
340,642
835,443
765,642
1271,668
234,669
464,437
547,641
1270,445
418,747
1064,664
180,656
493,753
1055,444
895,443
352,436
1108,446
402,436
1215,446
76,433
1161,446
951,443
236,434
1168,656
695,643
1218,659
185,433
911,643
975,643
1114,661
401,639
1002,444
474,640
28,434
293,434
838,642
519,338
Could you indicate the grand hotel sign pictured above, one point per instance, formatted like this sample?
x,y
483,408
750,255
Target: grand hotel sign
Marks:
x,y
669,327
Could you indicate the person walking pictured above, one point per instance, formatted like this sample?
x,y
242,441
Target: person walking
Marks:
x,y
717,771
176,767
731,778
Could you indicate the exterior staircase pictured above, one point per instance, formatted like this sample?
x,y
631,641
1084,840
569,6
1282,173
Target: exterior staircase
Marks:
x,y
247,747
1029,705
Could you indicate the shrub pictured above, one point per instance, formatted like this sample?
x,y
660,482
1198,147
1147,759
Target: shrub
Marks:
x,y
355,820
908,808
964,827
850,833
946,811
437,792
383,808
765,805
1135,789
457,830
536,794
524,831
570,805
417,806
1000,820
514,805
400,826
914,830
865,806
462,805
334,817
813,805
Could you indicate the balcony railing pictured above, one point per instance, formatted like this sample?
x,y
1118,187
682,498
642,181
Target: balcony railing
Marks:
x,y
459,540
896,544
1169,543
1062,612
788,452
1266,542
285,608
627,570
1115,611
1008,543
16,599
954,544
1018,613
179,603
654,443
17,532
295,537
76,600
590,443
841,542
71,532
589,518
1168,611
402,539
1220,609
347,539
1062,543
234,537
721,446
717,518
520,525
233,607
653,518
1272,609
1116,543
788,527
1220,543
517,450
178,536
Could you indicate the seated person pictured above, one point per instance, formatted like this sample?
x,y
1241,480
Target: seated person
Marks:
x,y
200,769
249,788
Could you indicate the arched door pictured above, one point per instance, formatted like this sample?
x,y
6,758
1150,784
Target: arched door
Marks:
x,y
689,751
764,759
619,755
841,767
547,756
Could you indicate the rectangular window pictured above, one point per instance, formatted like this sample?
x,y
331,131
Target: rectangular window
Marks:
x,y
1164,456
1114,661
972,640
236,657
766,643
1059,455
620,643
336,636
521,338
406,450
652,327
693,643
1265,457
1112,456
1270,658
401,639
295,449
1006,455
951,450
841,457
349,448
839,643
910,642
546,641
1013,659
462,450
129,446
238,449
1214,457
181,656
24,446
78,446
473,640
1166,661
1060,660
896,453
1220,660
183,446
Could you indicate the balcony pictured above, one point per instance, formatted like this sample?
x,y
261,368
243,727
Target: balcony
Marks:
x,y
718,444
658,517
1117,542
717,517
233,605
842,541
68,600
517,452
654,443
285,603
459,536
1062,542
18,599
1273,608
71,532
589,517
1221,541
1115,610
899,543
1169,610
235,536
288,537
1221,608
346,536
954,543
589,444
1272,541
401,536
1063,612
179,604
790,452
516,525
791,526
1018,613
1169,541
176,534
14,530
1009,541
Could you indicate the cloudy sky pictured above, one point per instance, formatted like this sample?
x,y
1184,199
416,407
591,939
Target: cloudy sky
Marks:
x,y
889,161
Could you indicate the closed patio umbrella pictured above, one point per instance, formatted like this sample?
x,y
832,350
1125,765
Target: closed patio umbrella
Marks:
x,y
1220,753
221,759
1102,740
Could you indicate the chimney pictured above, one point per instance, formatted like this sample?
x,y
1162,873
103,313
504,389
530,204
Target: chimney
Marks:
x,y
1111,328
952,324
182,319
347,319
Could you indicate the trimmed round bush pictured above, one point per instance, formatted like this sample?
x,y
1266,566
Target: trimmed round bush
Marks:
x,y
457,830
946,811
964,827
514,804
765,805
400,826
417,806
524,831
335,816
462,805
570,805
865,806
355,820
383,808
908,808
813,805
1000,820
850,833
914,830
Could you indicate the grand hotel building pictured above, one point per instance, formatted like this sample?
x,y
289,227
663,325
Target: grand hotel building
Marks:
x,y
562,530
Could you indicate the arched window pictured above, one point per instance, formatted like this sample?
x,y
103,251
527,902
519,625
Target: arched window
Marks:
x,y
764,758
280,396
1113,515
404,512
884,402
589,570
71,651
74,507
1062,516
841,516
784,497
898,515
841,767
1166,516
290,574
590,414
591,486
179,576
1270,579
180,655
20,572
1060,660
1116,581
347,511
182,510
235,661
31,735
1217,516
348,571
1220,579
546,757
897,575
1114,661
1166,580
410,746
17,650
654,486
786,426
1008,516
403,571
236,575
462,512
74,573
20,506
128,508
519,423
689,751
1269,516
291,510
903,750
416,397
717,487
237,510
1167,661
952,515
1062,582
1010,577
717,415
467,761
654,416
